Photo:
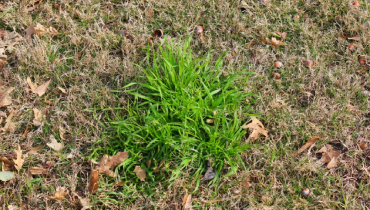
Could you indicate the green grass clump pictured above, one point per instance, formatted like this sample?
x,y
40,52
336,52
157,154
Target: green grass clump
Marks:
x,y
166,121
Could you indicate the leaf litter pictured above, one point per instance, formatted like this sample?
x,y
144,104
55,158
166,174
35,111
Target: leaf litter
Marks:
x,y
329,155
106,163
310,142
256,128
18,163
54,144
40,90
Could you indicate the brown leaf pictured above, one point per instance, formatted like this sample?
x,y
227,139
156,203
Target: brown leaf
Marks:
x,y
38,117
9,126
3,59
107,163
274,42
141,173
356,38
18,163
62,89
332,163
33,5
256,128
52,31
29,32
5,99
209,175
60,193
93,185
308,144
283,35
85,202
362,145
6,165
13,207
38,90
39,29
54,144
35,149
186,202
38,170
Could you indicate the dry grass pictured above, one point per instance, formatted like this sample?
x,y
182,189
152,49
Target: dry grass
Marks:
x,y
90,58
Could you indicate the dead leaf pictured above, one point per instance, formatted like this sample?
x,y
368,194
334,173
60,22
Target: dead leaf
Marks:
x,y
38,170
5,99
308,144
9,126
85,202
38,117
119,184
106,163
63,134
39,29
12,207
33,5
60,193
203,38
356,38
54,144
186,202
245,184
62,89
141,173
283,35
332,163
35,149
6,165
52,31
3,61
38,90
18,163
362,145
256,128
29,32
209,175
274,42
93,185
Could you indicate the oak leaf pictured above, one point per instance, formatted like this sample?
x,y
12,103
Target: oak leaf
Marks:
x,y
106,163
18,163
38,117
40,90
308,144
256,128
54,144
141,173
60,193
329,155
9,125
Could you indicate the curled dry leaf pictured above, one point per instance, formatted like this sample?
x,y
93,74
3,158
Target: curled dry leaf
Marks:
x,y
210,121
9,126
5,99
106,163
62,89
18,163
38,170
38,117
329,155
310,142
256,127
60,193
186,202
362,145
278,64
309,63
332,163
6,165
274,42
93,185
275,75
39,29
85,202
40,90
141,173
29,32
54,144
158,33
198,30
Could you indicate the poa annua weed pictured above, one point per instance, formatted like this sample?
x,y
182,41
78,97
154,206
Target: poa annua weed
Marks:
x,y
165,129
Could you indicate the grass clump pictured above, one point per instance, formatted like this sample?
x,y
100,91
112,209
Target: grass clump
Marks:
x,y
184,116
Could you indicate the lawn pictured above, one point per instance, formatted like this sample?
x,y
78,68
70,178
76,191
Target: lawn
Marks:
x,y
172,108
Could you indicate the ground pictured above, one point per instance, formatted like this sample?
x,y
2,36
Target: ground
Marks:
x,y
89,58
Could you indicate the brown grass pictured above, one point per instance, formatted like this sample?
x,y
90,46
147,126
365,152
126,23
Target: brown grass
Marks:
x,y
89,58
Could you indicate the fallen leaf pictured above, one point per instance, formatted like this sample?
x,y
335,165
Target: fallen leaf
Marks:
x,y
54,144
141,173
29,32
33,5
52,31
203,38
332,163
6,165
38,170
63,134
245,184
308,144
356,38
274,42
93,185
38,117
39,29
186,202
119,184
18,163
283,35
12,207
6,175
38,90
5,99
106,163
60,193
85,202
9,126
209,175
49,102
256,128
62,89
3,61
362,145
